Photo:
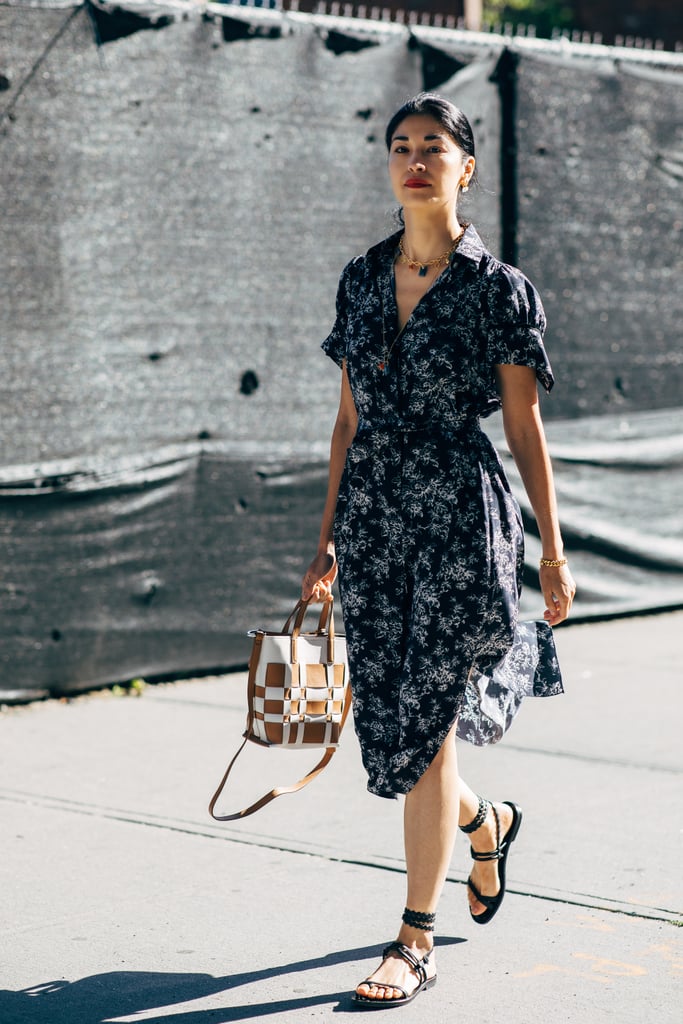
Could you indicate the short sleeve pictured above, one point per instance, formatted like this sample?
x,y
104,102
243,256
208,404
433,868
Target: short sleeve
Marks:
x,y
334,344
517,324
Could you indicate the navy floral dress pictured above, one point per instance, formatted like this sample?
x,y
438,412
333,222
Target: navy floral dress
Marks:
x,y
428,536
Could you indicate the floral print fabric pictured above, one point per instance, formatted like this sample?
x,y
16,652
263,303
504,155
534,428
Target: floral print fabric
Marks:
x,y
428,536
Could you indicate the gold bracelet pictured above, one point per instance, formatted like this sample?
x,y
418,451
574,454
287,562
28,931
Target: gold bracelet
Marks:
x,y
553,563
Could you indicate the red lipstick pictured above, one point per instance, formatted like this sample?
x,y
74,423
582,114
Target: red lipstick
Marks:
x,y
416,183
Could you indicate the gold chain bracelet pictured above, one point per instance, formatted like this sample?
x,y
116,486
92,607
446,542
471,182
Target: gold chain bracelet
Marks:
x,y
553,563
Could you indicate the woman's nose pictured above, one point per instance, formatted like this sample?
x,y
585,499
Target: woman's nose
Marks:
x,y
417,165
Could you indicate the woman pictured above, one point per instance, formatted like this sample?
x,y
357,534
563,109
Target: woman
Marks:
x,y
433,332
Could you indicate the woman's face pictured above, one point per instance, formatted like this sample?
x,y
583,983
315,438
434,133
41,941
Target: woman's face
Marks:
x,y
426,166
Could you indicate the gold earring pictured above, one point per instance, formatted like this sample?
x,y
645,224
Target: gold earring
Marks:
x,y
464,185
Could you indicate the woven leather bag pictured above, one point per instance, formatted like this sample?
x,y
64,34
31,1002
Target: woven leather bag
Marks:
x,y
298,695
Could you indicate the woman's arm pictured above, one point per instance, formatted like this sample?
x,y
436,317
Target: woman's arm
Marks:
x,y
526,440
322,571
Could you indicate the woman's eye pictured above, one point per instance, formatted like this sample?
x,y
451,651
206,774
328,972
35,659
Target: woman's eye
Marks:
x,y
401,149
434,149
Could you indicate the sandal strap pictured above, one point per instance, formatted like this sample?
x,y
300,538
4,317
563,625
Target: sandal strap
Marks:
x,y
488,901
379,984
410,958
490,854
479,818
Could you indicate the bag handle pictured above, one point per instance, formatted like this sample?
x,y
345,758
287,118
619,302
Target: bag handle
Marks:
x,y
325,626
297,614
328,605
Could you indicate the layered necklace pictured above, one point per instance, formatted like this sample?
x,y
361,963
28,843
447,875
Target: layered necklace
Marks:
x,y
422,268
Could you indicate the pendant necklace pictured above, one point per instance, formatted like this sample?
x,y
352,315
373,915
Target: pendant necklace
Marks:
x,y
423,267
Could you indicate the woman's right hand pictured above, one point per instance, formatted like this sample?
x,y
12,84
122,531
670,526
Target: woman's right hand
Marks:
x,y
319,577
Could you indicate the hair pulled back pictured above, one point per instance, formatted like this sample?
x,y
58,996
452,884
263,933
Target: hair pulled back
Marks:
x,y
450,117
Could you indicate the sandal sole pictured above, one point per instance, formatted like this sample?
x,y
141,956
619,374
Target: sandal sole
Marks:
x,y
508,839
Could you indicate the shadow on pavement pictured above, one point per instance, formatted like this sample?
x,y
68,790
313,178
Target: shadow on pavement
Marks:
x,y
104,997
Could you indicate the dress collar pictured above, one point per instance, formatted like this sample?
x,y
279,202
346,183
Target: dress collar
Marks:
x,y
470,246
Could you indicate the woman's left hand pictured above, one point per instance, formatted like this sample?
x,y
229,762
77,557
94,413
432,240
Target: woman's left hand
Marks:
x,y
320,575
558,588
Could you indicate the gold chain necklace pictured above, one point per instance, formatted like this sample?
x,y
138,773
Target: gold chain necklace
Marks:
x,y
423,266
383,363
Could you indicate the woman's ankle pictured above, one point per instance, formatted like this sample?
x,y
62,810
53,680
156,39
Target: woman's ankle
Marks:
x,y
485,830
416,938
418,927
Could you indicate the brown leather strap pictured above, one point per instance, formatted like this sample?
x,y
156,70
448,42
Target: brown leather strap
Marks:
x,y
279,790
302,606
326,620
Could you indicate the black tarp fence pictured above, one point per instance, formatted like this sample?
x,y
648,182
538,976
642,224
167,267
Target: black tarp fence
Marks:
x,y
177,205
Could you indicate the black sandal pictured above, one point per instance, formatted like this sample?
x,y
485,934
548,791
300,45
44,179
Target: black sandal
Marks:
x,y
423,982
492,903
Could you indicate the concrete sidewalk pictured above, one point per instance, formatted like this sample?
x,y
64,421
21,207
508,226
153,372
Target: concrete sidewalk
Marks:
x,y
123,901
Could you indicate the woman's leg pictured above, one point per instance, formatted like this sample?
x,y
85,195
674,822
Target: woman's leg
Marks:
x,y
431,818
484,873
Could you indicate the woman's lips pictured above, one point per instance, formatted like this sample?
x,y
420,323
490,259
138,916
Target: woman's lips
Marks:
x,y
416,183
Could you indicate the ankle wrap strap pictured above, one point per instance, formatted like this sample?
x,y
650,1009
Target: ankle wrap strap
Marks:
x,y
496,854
493,855
418,919
479,818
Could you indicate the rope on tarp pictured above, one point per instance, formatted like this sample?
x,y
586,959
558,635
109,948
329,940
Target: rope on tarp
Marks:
x,y
8,112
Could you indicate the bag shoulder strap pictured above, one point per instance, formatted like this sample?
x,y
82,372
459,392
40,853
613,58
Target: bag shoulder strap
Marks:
x,y
278,791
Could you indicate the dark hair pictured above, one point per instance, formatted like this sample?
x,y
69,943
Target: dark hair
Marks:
x,y
450,117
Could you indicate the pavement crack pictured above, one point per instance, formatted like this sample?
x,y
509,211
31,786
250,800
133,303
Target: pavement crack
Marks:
x,y
257,841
